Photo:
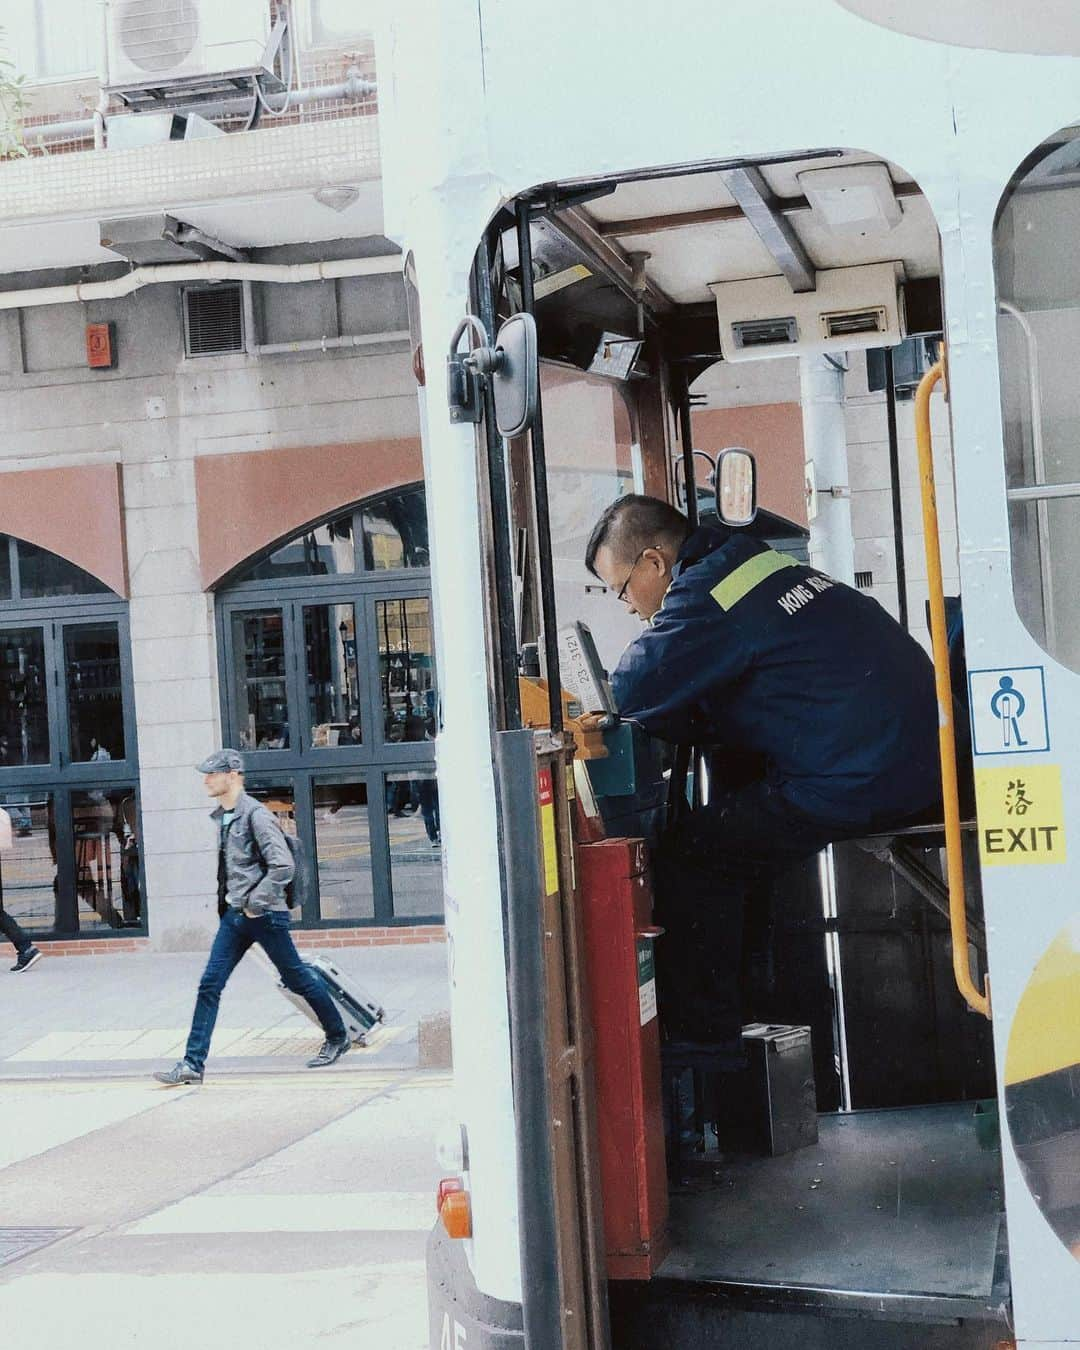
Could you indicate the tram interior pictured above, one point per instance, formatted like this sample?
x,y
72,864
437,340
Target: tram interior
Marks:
x,y
713,287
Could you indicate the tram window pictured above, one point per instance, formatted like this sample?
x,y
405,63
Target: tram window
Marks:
x,y
1038,292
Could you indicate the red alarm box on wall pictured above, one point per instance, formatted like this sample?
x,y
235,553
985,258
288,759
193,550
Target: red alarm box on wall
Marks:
x,y
101,346
616,902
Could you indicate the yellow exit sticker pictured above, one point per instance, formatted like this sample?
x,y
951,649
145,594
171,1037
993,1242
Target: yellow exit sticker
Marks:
x,y
1021,819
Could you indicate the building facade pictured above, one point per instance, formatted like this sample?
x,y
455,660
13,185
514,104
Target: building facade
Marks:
x,y
211,488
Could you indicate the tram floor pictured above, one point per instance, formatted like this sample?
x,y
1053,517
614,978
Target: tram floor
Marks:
x,y
894,1215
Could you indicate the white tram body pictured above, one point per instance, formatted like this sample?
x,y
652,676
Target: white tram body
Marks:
x,y
481,100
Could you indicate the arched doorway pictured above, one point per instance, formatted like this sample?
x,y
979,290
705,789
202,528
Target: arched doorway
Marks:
x,y
328,684
68,761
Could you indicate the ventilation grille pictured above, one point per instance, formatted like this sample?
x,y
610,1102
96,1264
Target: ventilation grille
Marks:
x,y
848,323
765,332
213,320
158,35
864,580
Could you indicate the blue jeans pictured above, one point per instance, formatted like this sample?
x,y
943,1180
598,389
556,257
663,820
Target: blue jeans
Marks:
x,y
235,934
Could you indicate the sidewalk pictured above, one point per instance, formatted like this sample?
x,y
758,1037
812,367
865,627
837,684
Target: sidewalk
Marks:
x,y
129,1014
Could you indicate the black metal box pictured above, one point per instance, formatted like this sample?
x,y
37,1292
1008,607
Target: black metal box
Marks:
x,y
771,1106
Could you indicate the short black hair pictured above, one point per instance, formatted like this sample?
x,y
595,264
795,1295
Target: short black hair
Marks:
x,y
633,523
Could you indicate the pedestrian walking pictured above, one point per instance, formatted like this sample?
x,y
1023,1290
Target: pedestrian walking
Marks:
x,y
26,954
255,866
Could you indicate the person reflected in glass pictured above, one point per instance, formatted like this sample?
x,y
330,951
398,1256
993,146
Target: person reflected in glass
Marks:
x,y
16,801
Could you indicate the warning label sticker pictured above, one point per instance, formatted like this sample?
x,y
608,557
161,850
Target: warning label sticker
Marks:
x,y
1021,819
646,980
547,832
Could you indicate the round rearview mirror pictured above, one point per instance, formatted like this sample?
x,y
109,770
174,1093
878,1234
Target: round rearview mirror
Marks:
x,y
736,486
516,376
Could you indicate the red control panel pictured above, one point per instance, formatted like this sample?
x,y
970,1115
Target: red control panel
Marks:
x,y
616,899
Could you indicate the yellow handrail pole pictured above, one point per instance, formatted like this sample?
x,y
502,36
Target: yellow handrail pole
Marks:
x,y
946,731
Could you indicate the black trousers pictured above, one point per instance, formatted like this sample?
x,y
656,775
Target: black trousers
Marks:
x,y
13,933
706,871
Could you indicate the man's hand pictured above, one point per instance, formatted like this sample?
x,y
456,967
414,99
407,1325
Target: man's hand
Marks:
x,y
596,721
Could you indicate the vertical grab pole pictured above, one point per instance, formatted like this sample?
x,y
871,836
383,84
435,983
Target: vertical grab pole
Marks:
x,y
978,1002
540,496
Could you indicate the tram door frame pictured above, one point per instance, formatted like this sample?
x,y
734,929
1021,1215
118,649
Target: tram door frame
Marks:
x,y
562,1238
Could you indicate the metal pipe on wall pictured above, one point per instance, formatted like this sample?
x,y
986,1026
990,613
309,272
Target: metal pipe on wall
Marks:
x,y
330,343
201,271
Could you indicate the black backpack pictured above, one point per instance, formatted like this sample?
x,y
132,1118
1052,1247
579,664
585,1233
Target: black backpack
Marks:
x,y
302,887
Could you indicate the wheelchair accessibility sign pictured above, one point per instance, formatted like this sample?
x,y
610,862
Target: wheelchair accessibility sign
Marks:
x,y
1008,711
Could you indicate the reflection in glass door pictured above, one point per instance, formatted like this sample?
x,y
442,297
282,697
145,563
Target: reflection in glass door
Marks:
x,y
329,683
24,716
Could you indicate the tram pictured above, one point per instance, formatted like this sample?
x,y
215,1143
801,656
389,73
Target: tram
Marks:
x,y
836,232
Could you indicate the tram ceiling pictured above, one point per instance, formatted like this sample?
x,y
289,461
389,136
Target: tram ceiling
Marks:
x,y
640,256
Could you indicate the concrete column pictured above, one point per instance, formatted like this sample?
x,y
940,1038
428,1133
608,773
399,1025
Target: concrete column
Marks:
x,y
821,387
172,646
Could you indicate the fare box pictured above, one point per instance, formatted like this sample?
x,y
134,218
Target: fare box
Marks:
x,y
1020,813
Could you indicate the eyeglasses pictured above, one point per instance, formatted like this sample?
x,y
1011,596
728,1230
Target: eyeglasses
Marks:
x,y
621,593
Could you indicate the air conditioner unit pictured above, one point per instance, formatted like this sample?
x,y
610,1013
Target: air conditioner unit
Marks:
x,y
851,307
156,43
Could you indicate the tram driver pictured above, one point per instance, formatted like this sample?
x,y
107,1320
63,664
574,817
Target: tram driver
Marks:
x,y
816,710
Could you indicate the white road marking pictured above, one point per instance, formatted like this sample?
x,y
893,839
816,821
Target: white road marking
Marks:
x,y
360,1212
228,1043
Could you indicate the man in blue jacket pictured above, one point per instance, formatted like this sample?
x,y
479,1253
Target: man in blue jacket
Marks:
x,y
824,705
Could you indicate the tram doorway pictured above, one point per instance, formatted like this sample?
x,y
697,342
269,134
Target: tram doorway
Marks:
x,y
790,306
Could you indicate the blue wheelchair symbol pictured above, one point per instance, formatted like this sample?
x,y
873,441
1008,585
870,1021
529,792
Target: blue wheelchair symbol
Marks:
x,y
1007,705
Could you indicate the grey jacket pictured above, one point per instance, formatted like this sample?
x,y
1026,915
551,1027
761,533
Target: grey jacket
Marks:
x,y
255,865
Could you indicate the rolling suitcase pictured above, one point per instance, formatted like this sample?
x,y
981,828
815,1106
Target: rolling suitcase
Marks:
x,y
358,1013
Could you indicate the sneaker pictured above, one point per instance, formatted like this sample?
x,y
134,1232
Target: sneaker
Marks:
x,y
181,1072
30,957
331,1051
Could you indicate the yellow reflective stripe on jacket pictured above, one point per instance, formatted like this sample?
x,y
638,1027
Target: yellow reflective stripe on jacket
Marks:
x,y
747,575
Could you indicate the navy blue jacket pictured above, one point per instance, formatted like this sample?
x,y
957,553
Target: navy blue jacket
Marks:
x,y
752,651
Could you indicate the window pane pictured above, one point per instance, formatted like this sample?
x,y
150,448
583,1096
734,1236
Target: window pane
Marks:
x,y
28,872
24,717
260,700
406,668
95,701
105,837
395,532
343,850
5,568
43,573
412,805
1038,284
333,686
324,551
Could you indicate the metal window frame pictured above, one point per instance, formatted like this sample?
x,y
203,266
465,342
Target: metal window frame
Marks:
x,y
301,764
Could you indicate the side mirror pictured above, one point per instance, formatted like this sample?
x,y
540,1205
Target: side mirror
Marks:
x,y
515,378
512,366
736,487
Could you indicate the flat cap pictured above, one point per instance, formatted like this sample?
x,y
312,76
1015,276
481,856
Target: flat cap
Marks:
x,y
222,761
